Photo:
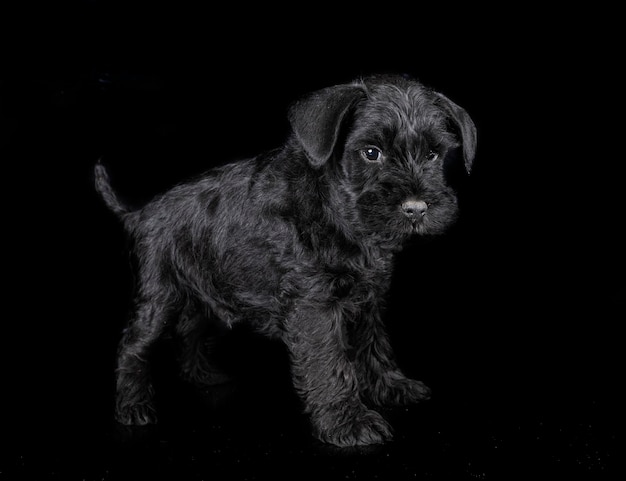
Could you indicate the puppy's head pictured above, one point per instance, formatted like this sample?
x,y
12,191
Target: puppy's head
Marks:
x,y
391,145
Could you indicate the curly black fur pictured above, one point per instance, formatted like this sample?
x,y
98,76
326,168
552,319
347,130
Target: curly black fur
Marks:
x,y
299,242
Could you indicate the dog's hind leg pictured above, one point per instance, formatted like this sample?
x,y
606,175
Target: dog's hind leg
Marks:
x,y
135,393
196,343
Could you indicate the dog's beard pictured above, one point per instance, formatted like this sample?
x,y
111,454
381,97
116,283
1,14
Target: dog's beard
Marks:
x,y
391,223
429,225
417,227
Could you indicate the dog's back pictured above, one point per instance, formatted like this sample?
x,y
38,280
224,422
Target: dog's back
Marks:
x,y
224,240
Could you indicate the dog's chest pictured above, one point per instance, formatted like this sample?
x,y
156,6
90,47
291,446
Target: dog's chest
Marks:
x,y
267,291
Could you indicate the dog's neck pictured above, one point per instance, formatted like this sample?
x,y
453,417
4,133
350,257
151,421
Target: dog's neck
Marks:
x,y
327,210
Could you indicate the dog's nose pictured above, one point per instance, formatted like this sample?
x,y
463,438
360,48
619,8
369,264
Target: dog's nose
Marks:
x,y
414,209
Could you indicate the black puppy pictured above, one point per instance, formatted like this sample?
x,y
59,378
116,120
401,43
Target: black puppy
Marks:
x,y
299,242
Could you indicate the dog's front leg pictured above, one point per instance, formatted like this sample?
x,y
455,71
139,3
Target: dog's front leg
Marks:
x,y
381,380
327,382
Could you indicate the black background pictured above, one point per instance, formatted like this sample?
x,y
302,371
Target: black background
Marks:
x,y
512,318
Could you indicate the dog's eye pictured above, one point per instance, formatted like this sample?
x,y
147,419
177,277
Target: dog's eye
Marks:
x,y
432,155
371,154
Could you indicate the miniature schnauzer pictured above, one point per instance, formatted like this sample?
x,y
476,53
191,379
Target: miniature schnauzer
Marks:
x,y
299,243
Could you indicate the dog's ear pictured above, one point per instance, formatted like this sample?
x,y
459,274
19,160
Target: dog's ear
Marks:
x,y
316,119
465,125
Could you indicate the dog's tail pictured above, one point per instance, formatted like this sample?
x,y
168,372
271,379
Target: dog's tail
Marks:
x,y
103,186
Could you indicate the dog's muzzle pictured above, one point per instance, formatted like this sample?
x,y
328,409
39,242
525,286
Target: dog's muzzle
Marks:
x,y
414,209
415,213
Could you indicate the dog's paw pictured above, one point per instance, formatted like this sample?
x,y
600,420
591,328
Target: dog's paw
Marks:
x,y
360,427
409,391
136,415
394,389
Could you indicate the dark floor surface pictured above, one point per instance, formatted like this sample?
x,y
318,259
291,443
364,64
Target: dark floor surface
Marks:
x,y
507,426
513,318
